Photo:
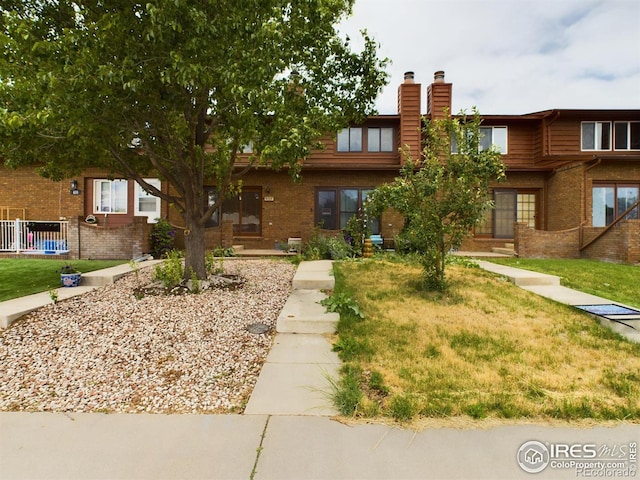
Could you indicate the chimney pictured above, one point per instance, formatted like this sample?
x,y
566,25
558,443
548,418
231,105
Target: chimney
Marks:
x,y
438,96
410,117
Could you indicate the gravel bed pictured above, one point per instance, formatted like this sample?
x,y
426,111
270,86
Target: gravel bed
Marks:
x,y
108,351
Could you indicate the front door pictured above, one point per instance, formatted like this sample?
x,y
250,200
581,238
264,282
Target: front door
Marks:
x,y
245,210
505,213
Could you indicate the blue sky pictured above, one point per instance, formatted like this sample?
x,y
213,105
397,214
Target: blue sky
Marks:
x,y
509,56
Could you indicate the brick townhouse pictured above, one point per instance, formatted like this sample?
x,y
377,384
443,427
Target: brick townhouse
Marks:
x,y
573,179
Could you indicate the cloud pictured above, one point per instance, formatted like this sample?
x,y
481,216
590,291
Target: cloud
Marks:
x,y
510,56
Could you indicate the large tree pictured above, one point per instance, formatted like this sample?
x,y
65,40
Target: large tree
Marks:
x,y
175,88
443,193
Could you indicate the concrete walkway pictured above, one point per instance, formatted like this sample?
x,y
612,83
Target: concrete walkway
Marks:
x,y
296,378
549,286
286,431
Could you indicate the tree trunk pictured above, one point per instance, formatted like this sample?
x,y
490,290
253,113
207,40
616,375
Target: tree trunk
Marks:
x,y
194,242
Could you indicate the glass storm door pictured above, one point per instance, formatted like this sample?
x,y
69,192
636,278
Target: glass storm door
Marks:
x,y
505,213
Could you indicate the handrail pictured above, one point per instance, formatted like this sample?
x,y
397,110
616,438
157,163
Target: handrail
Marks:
x,y
618,219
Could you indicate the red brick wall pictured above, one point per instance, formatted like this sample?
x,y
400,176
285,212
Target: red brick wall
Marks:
x,y
565,198
42,198
531,243
292,211
620,244
108,243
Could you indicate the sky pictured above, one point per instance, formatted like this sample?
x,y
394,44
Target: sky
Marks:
x,y
508,56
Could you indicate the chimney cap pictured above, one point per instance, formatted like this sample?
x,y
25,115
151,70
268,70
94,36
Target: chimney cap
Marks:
x,y
409,77
438,77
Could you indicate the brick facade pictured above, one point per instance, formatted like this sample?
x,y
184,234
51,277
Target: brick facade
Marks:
x,y
531,243
544,157
108,243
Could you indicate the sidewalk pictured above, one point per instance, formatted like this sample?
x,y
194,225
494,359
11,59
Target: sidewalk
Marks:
x,y
286,431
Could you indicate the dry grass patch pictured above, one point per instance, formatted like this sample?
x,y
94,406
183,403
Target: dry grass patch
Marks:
x,y
485,348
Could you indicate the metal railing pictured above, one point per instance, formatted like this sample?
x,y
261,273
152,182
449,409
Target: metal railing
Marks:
x,y
30,236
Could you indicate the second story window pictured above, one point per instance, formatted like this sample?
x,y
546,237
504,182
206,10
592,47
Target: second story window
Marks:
x,y
350,140
380,139
496,136
596,135
626,136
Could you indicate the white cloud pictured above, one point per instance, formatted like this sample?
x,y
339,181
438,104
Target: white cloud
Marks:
x,y
510,56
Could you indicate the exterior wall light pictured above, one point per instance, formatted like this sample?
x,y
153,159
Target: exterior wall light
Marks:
x,y
74,190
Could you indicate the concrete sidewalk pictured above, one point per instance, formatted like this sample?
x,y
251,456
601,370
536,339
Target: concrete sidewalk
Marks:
x,y
260,447
287,431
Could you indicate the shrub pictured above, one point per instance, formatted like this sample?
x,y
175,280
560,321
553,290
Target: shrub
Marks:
x,y
162,238
326,247
171,271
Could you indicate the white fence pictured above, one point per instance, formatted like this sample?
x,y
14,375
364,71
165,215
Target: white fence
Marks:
x,y
29,236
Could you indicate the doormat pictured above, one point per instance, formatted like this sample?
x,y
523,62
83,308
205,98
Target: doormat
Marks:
x,y
611,309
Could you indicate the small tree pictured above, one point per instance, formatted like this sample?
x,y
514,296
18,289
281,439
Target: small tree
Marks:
x,y
175,89
444,194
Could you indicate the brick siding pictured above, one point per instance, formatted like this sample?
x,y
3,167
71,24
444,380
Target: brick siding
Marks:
x,y
108,243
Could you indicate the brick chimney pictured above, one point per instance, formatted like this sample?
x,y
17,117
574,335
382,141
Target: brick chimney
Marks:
x,y
409,111
438,96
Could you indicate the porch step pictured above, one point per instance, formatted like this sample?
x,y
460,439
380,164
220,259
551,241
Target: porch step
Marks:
x,y
302,313
316,275
508,249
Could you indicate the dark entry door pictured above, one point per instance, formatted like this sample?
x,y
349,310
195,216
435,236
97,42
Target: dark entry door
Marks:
x,y
505,213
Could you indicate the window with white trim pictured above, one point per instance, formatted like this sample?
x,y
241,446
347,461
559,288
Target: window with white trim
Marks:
x,y
380,139
626,136
110,196
350,140
146,204
596,135
496,136
488,136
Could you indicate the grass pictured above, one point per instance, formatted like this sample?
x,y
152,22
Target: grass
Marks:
x,y
618,282
20,277
484,349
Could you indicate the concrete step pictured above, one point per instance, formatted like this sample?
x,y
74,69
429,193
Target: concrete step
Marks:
x,y
302,313
504,251
314,275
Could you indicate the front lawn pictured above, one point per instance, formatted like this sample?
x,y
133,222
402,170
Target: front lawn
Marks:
x,y
614,281
484,349
24,276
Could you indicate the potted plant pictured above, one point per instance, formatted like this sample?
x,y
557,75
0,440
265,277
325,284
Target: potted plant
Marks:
x,y
69,276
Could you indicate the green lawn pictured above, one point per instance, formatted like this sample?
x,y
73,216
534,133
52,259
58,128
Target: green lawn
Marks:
x,y
484,349
617,282
24,276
